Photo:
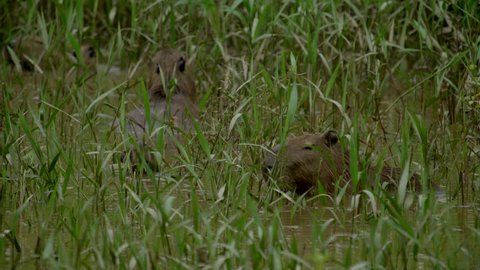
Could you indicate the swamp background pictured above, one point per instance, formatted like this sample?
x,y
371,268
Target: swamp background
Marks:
x,y
399,80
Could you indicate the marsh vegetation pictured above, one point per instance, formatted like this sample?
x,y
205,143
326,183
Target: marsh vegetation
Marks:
x,y
398,81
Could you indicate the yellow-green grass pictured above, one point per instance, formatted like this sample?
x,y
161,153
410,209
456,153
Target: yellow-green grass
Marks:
x,y
398,80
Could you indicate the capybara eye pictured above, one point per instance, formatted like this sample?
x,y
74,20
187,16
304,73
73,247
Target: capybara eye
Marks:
x,y
308,147
181,64
91,52
158,69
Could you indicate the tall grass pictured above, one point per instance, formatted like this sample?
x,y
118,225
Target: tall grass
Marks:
x,y
398,80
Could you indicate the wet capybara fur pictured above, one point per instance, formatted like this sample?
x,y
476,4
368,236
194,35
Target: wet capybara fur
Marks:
x,y
169,71
312,159
172,95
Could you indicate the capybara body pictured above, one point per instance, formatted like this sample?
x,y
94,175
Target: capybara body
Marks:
x,y
312,159
162,112
172,95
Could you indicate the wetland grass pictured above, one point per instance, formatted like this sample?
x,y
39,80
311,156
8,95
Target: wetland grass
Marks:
x,y
399,81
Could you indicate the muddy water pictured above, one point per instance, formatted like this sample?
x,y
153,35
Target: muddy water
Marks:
x,y
320,230
317,229
332,232
304,225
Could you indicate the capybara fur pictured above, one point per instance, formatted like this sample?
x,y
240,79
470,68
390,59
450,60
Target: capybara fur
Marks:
x,y
170,74
171,89
312,159
88,53
29,53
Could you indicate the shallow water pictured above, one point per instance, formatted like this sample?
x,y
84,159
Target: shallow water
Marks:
x,y
318,229
330,232
322,232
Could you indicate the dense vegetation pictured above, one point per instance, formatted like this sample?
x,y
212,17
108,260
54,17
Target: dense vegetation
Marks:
x,y
399,80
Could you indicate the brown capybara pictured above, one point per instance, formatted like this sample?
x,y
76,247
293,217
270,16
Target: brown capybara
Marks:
x,y
29,53
88,53
169,68
171,101
312,159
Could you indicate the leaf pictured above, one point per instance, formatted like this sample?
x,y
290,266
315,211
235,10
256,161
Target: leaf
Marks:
x,y
102,96
28,133
54,162
292,108
201,139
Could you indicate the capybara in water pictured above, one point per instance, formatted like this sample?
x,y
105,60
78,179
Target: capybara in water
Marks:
x,y
30,54
312,159
172,95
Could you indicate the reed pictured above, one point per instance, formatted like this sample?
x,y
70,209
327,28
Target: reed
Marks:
x,y
399,81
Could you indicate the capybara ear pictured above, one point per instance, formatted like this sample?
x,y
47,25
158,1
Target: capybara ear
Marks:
x,y
331,137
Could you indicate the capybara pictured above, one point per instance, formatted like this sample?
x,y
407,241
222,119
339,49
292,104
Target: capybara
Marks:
x,y
29,53
312,159
172,95
88,53
169,71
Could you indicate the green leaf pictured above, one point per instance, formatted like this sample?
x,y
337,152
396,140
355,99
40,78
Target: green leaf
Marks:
x,y
201,139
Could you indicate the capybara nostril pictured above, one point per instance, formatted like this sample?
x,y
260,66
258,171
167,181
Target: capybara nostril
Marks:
x,y
269,161
266,164
267,168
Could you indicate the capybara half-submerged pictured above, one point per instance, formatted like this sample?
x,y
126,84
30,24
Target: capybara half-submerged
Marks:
x,y
312,159
172,102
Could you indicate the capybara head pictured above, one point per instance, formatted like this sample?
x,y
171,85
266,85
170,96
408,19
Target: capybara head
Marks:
x,y
32,54
170,71
26,50
308,160
89,55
